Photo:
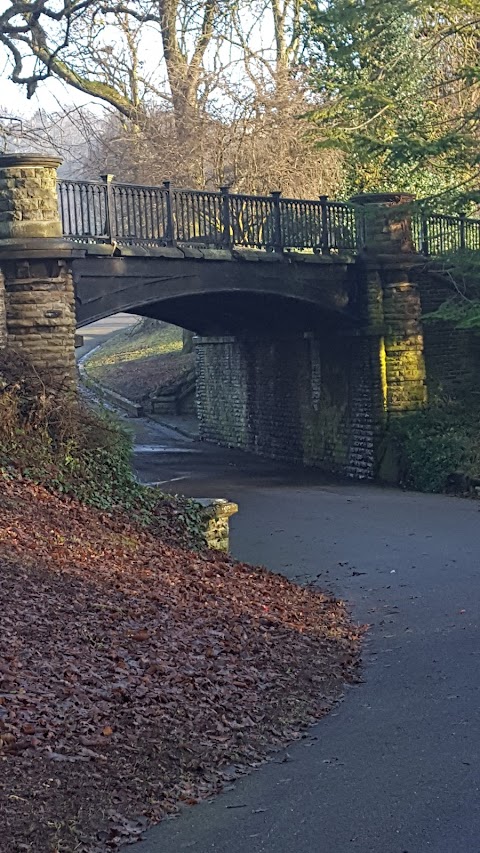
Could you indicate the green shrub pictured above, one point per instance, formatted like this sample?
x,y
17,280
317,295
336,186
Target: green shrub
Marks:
x,y
434,444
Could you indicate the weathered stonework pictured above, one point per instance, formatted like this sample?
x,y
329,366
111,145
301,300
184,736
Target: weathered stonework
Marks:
x,y
216,515
40,316
386,221
28,196
452,355
367,410
304,398
391,301
325,397
3,318
405,366
221,390
317,384
39,303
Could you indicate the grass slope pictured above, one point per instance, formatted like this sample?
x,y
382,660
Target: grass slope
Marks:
x,y
136,361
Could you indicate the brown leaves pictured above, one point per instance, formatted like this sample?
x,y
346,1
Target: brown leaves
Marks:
x,y
140,636
131,671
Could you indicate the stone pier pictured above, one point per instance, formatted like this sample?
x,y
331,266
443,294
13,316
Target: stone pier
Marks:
x,y
387,267
325,397
37,307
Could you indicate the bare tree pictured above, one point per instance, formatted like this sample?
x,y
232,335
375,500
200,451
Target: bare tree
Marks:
x,y
219,105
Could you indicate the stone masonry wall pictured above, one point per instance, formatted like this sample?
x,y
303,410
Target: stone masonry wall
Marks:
x,y
28,197
37,312
303,398
3,318
452,356
40,316
222,391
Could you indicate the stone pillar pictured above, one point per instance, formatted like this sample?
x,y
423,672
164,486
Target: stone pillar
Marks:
x,y
39,296
216,517
404,362
385,221
391,300
3,317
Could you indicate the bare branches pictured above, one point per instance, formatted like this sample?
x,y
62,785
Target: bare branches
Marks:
x,y
199,93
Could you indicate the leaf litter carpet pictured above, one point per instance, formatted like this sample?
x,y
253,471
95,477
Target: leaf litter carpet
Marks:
x,y
136,677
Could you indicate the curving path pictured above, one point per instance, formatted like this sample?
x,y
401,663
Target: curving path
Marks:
x,y
395,769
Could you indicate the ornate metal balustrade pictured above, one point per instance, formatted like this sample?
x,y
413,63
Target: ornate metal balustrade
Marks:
x,y
438,233
104,211
96,211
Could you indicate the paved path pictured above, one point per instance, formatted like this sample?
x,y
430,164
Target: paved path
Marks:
x,y
96,333
395,768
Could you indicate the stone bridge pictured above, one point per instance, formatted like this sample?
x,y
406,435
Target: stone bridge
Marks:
x,y
308,314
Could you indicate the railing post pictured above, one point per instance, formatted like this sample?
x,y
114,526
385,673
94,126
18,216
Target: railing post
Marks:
x,y
109,207
170,235
324,236
227,239
277,222
462,218
424,235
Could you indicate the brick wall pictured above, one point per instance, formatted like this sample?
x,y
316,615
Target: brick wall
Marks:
x,y
452,356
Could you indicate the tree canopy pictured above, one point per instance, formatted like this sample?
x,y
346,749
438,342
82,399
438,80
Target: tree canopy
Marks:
x,y
400,94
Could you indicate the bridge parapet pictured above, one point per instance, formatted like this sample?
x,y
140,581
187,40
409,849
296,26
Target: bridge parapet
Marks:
x,y
386,221
28,197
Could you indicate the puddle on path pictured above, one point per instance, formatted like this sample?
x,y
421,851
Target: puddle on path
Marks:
x,y
162,448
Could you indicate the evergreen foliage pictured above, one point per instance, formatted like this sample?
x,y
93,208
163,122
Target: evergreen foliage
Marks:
x,y
399,93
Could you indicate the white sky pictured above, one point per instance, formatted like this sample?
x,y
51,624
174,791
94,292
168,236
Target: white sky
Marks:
x,y
50,95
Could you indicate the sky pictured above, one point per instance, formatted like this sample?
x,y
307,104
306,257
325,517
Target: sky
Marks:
x,y
51,94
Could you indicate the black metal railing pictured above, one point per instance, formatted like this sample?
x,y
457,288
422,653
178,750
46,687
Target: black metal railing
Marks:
x,y
106,211
439,234
96,211
84,209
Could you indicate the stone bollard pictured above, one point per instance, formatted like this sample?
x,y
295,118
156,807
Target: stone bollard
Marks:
x,y
217,514
392,302
39,306
3,315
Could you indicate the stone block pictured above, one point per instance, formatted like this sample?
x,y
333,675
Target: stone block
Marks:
x,y
29,191
217,254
